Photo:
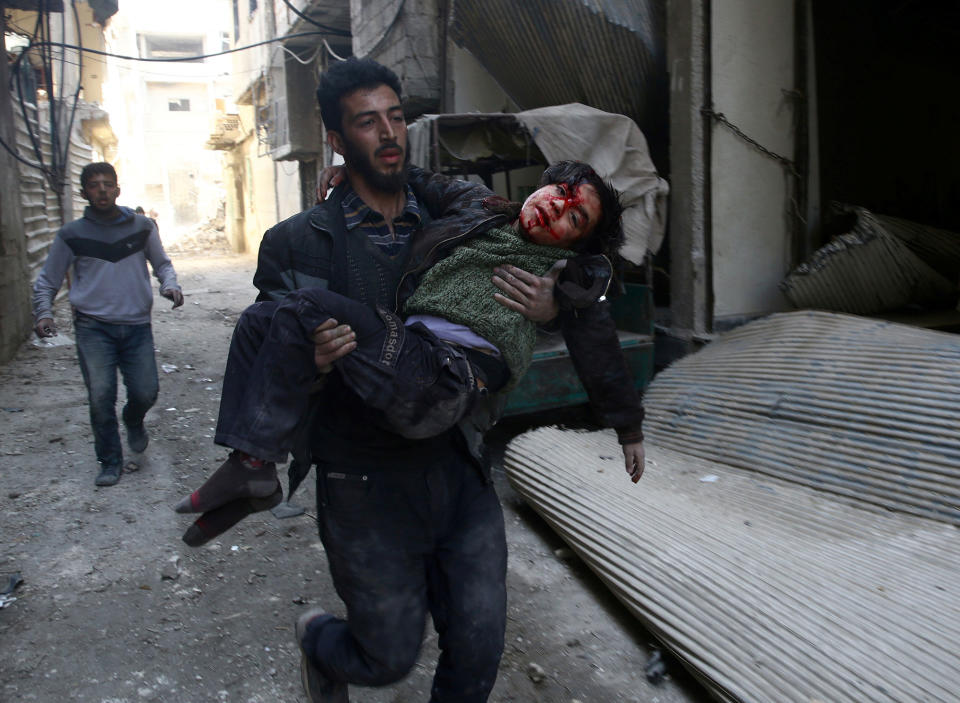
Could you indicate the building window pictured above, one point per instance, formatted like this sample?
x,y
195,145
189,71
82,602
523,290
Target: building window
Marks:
x,y
253,6
153,46
178,104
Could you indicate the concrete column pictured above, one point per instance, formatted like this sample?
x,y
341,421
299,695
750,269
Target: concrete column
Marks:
x,y
16,319
688,62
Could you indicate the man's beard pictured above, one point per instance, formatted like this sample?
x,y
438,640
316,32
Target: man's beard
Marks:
x,y
386,182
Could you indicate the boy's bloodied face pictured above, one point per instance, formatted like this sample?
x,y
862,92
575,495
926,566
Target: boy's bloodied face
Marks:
x,y
101,191
558,215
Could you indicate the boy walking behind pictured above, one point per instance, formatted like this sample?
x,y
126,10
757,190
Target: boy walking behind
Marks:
x,y
111,297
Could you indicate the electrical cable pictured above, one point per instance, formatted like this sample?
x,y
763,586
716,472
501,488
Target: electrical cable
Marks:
x,y
332,52
46,59
305,62
182,59
390,26
76,95
37,149
57,165
330,30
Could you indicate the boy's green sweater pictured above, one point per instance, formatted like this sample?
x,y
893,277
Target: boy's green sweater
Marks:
x,y
459,288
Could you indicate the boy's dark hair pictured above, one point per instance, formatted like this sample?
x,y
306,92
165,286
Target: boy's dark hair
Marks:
x,y
97,168
344,77
607,236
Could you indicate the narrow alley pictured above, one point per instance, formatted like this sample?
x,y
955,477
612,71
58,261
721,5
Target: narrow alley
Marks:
x,y
113,607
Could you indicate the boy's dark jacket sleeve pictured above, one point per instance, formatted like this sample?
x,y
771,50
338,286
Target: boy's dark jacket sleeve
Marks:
x,y
445,195
591,337
268,278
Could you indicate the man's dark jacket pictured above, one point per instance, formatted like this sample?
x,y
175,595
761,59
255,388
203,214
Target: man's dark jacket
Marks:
x,y
306,251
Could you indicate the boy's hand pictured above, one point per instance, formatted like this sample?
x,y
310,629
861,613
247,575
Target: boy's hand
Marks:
x,y
526,293
330,342
330,177
633,459
174,294
45,327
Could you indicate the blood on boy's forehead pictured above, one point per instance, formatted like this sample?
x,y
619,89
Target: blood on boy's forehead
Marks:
x,y
573,195
576,197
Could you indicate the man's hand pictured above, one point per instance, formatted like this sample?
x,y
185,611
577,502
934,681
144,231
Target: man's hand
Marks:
x,y
174,294
330,177
633,459
45,327
526,293
332,341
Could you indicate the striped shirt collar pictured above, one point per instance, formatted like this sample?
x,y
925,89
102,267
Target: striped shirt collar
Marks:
x,y
355,210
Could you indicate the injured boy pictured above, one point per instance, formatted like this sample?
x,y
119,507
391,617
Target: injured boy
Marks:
x,y
421,373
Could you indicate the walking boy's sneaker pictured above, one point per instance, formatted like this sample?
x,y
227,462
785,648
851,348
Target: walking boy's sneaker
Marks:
x,y
108,475
319,688
137,438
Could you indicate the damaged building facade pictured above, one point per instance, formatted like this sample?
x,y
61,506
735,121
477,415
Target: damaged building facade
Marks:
x,y
779,110
759,116
451,57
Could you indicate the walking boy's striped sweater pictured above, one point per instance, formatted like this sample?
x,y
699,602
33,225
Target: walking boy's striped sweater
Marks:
x,y
109,258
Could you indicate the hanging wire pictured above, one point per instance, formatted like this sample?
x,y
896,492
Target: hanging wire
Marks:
x,y
54,171
296,57
76,95
332,52
182,59
37,148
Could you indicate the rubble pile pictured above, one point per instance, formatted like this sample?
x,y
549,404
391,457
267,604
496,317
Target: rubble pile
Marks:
x,y
208,237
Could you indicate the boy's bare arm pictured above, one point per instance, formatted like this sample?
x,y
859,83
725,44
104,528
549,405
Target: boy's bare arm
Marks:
x,y
634,459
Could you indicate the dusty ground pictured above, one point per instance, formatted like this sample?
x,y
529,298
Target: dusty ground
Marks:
x,y
114,608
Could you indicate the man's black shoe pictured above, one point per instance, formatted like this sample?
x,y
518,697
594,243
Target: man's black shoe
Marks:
x,y
319,688
137,438
108,475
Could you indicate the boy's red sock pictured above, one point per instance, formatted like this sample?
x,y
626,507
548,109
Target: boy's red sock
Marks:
x,y
214,523
240,476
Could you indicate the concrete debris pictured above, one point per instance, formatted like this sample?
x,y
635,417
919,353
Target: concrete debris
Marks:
x,y
655,668
536,673
205,238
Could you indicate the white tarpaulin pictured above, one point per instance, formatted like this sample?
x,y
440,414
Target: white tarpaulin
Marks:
x,y
617,149
611,143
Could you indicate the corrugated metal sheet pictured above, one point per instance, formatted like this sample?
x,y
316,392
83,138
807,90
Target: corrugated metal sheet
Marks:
x,y
862,408
39,204
608,54
41,213
767,591
81,154
794,537
881,264
939,248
